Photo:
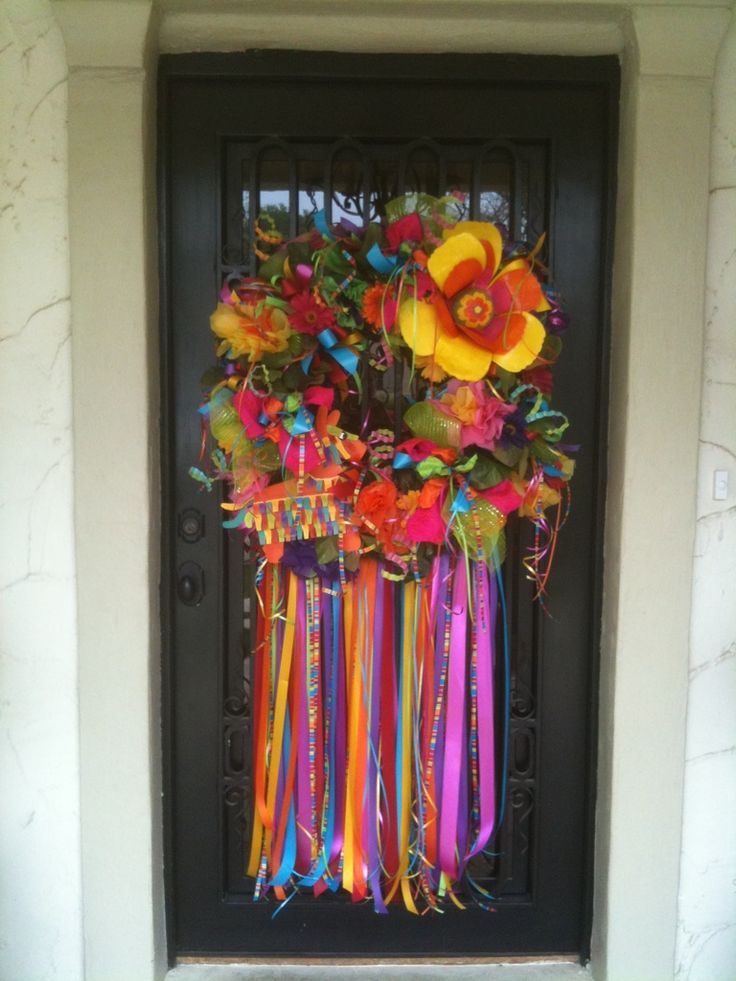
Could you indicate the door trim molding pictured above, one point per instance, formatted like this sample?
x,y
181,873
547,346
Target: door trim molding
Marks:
x,y
595,72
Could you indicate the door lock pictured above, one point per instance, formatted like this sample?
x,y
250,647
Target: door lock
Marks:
x,y
191,525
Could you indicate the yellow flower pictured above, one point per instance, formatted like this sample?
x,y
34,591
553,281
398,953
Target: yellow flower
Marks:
x,y
462,404
481,312
539,497
409,501
429,369
244,331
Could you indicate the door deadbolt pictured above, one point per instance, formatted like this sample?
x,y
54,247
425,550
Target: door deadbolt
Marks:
x,y
191,525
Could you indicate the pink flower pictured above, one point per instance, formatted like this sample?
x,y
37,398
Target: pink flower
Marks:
x,y
249,407
427,525
487,425
417,449
503,496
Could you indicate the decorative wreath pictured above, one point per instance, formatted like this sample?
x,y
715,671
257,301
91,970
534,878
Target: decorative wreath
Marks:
x,y
357,483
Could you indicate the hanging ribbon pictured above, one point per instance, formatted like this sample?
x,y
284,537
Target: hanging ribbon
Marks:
x,y
371,772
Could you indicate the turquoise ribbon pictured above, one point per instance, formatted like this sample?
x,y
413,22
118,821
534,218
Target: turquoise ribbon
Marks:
x,y
345,357
235,522
383,264
303,422
402,461
461,503
320,223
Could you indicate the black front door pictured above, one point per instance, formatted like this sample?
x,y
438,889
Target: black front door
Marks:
x,y
530,141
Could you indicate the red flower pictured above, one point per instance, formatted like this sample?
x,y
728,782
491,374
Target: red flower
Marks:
x,y
406,229
308,315
540,377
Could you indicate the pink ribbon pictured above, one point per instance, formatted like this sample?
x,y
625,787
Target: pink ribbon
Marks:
x,y
484,630
455,726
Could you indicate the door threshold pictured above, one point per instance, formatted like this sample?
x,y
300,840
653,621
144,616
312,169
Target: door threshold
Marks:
x,y
545,968
280,961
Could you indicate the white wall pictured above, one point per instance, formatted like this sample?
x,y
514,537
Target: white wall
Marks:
x,y
706,949
40,897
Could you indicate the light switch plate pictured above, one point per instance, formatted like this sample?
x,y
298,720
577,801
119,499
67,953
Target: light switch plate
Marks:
x,y
720,485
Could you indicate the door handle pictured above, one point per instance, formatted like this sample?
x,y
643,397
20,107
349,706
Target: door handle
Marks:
x,y
190,584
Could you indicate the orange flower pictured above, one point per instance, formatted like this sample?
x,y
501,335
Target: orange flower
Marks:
x,y
431,491
377,503
376,299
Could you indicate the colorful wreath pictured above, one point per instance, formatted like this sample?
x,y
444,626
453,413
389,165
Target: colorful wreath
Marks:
x,y
382,405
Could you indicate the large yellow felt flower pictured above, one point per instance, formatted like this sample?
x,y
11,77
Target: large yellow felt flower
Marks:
x,y
481,313
247,330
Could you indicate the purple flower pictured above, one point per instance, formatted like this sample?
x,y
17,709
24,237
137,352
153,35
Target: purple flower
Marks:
x,y
514,430
301,557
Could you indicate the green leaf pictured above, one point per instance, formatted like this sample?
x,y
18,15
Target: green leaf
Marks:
x,y
266,456
432,466
501,547
509,455
504,381
294,378
550,428
373,235
299,254
355,289
542,452
296,343
488,472
336,263
273,266
326,549
352,560
211,377
551,348
467,465
347,320
277,359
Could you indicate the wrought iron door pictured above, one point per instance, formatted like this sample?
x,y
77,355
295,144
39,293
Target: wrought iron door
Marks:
x,y
244,135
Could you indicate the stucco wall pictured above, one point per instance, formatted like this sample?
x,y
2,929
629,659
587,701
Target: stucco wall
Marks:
x,y
40,897
706,949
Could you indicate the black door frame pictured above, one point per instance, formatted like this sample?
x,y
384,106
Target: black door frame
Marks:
x,y
512,70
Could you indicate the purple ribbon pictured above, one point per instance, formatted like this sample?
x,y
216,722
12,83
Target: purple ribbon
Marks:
x,y
303,802
372,827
